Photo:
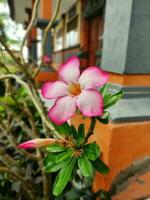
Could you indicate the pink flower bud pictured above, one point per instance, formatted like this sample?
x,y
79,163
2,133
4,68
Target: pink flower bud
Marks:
x,y
39,142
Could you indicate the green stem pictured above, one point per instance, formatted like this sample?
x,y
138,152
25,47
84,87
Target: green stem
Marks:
x,y
91,128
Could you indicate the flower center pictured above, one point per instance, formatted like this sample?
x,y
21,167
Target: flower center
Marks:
x,y
74,89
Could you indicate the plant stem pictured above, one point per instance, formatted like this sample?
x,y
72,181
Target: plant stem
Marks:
x,y
29,28
91,128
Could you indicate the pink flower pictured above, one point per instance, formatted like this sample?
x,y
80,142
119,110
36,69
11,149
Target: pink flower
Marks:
x,y
46,59
75,91
38,142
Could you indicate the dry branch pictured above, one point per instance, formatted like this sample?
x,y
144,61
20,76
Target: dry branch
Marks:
x,y
46,33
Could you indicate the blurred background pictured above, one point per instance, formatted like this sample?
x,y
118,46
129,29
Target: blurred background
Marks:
x,y
113,35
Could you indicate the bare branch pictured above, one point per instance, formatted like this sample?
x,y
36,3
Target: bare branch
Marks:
x,y
13,144
38,153
4,66
24,68
35,98
45,35
31,24
15,175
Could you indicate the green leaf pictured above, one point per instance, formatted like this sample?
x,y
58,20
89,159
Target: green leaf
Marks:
x,y
85,166
63,176
49,159
7,99
104,90
22,92
113,99
1,108
92,151
55,148
63,129
81,131
104,119
74,132
55,161
53,167
64,155
58,157
100,166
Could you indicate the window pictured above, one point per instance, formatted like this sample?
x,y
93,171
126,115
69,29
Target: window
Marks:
x,y
59,40
72,32
39,44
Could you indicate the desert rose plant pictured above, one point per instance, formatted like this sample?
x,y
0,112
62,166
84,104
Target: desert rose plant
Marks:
x,y
72,152
40,147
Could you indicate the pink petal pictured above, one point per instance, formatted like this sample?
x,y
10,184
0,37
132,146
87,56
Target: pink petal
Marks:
x,y
63,109
38,142
90,103
46,59
93,77
69,72
27,145
51,90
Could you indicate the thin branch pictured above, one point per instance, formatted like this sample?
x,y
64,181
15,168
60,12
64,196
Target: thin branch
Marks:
x,y
15,175
91,128
20,65
38,153
35,98
4,66
46,33
12,142
6,159
31,24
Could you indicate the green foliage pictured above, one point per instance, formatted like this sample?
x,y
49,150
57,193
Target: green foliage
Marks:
x,y
63,129
110,99
63,176
64,157
85,165
55,148
92,151
113,99
100,166
104,119
17,129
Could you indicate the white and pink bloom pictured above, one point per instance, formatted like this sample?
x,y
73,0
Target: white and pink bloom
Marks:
x,y
74,91
39,142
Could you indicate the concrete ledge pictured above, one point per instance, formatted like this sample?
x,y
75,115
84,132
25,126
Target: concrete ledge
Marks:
x,y
134,107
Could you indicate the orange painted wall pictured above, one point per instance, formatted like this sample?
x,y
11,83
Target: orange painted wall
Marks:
x,y
44,76
130,80
46,9
140,187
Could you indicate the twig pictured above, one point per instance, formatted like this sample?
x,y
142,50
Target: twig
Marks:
x,y
15,175
31,24
45,35
35,98
21,66
91,128
39,155
6,159
12,142
4,66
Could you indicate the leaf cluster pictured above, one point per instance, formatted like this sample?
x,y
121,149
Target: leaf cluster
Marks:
x,y
72,156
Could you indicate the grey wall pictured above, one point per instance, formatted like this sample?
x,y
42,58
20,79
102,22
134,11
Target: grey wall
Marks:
x,y
126,45
138,52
